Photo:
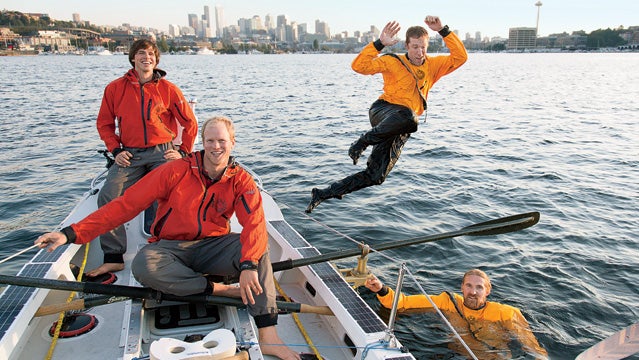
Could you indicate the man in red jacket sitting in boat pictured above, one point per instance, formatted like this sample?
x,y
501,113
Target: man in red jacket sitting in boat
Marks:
x,y
197,196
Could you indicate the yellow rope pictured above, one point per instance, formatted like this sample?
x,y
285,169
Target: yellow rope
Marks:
x,y
56,334
299,323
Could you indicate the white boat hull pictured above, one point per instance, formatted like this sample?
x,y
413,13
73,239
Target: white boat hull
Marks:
x,y
126,329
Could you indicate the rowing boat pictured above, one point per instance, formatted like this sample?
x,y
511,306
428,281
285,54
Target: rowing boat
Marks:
x,y
332,322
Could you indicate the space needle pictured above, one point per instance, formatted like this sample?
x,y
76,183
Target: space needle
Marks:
x,y
538,5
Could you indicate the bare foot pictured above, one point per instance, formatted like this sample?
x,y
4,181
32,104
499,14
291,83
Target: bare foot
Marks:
x,y
105,268
271,344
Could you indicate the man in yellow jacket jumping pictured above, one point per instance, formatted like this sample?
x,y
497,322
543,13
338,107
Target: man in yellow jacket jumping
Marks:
x,y
490,329
394,115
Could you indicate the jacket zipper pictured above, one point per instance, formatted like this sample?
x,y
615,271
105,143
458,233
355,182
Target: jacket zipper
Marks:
x,y
142,113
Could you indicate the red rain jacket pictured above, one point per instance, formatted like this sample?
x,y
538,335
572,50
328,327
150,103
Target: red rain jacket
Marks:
x,y
142,116
187,209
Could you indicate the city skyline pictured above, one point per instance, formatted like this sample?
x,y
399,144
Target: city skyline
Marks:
x,y
491,18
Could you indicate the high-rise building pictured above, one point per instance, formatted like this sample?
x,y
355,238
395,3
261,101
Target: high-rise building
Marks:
x,y
245,25
256,23
295,35
219,21
174,30
193,21
521,38
282,21
206,22
76,18
322,28
268,22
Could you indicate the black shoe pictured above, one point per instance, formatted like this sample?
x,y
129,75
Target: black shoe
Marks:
x,y
316,199
355,151
317,196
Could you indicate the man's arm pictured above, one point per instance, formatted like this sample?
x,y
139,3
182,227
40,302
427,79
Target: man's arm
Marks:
x,y
105,122
250,214
385,295
185,117
367,62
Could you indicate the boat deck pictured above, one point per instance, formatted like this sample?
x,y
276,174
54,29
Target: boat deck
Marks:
x,y
126,329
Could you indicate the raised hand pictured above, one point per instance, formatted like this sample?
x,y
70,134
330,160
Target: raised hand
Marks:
x,y
433,22
387,37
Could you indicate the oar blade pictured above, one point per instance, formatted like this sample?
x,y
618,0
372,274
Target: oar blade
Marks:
x,y
503,225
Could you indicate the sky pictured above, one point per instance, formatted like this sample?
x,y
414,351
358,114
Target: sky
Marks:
x,y
490,17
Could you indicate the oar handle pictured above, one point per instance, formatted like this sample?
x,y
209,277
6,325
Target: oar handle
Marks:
x,y
312,309
79,304
242,355
57,308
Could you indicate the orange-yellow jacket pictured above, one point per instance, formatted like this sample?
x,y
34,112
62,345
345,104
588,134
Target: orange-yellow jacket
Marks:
x,y
399,84
492,326
187,209
145,115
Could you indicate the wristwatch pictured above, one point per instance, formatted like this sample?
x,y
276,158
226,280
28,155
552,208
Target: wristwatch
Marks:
x,y
248,265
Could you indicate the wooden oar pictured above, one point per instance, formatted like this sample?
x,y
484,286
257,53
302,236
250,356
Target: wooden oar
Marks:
x,y
82,304
492,227
619,345
146,293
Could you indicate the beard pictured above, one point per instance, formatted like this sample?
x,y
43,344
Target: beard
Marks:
x,y
473,302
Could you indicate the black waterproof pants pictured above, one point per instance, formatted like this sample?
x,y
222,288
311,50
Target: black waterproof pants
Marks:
x,y
391,127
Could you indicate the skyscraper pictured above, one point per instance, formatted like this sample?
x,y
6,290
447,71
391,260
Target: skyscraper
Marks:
x,y
219,21
193,21
206,22
268,22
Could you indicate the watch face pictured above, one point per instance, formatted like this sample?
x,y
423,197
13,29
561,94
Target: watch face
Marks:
x,y
248,265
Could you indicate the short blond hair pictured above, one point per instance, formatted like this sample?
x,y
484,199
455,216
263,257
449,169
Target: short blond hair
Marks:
x,y
216,119
481,274
416,32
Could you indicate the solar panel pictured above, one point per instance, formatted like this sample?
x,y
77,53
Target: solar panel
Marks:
x,y
50,257
355,305
293,238
13,299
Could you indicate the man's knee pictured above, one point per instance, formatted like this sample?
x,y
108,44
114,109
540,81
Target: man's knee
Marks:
x,y
139,266
379,180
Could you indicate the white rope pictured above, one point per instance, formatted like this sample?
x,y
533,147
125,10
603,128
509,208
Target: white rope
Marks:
x,y
18,253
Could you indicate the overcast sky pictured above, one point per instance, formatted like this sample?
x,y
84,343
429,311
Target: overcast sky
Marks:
x,y
490,17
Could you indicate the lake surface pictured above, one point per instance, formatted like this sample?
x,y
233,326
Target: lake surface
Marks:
x,y
505,134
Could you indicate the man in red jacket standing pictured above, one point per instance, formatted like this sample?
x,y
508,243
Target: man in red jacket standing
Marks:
x,y
191,236
139,122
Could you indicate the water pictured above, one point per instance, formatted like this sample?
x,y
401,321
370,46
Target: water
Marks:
x,y
506,134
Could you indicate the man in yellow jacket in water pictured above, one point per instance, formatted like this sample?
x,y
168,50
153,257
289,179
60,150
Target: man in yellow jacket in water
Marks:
x,y
489,329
